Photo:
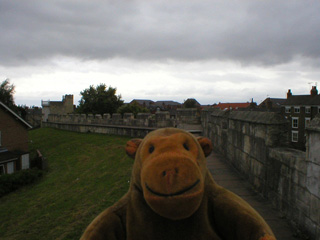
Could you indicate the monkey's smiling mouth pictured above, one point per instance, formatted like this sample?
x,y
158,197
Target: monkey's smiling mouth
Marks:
x,y
173,194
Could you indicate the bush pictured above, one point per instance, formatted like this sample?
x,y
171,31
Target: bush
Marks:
x,y
11,182
134,108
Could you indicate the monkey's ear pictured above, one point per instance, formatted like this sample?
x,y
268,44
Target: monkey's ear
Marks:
x,y
132,147
206,145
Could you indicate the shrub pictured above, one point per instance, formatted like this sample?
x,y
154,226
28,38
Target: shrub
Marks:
x,y
11,182
134,108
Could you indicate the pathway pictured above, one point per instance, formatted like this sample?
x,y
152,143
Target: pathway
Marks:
x,y
226,176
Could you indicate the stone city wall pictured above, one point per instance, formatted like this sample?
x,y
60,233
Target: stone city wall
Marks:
x,y
189,119
188,116
161,119
256,144
127,125
313,174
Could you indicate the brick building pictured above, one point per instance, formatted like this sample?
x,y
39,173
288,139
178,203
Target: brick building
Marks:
x,y
14,153
57,107
300,110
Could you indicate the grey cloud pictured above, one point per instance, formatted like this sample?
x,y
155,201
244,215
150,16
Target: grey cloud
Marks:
x,y
249,32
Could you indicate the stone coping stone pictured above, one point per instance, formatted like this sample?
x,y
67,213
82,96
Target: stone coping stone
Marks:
x,y
118,126
258,117
186,109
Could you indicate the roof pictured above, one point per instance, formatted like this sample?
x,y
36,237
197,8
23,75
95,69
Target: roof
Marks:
x,y
303,100
6,156
279,101
6,108
232,105
258,117
276,102
172,103
142,101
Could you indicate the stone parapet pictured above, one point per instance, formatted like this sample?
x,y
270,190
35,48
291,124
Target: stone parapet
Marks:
x,y
313,171
257,145
158,120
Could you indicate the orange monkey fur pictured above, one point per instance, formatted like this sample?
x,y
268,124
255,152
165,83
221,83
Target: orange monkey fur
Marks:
x,y
172,196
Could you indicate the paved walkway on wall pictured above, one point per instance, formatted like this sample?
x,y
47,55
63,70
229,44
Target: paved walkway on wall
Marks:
x,y
226,176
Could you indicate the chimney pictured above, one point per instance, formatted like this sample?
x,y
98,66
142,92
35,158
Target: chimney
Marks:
x,y
289,93
314,91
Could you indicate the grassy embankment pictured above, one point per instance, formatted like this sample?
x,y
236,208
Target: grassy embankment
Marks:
x,y
87,173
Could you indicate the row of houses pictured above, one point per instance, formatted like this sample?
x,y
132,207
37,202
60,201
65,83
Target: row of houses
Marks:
x,y
299,110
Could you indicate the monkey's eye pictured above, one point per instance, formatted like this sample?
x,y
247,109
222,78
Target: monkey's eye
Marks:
x,y
186,147
151,149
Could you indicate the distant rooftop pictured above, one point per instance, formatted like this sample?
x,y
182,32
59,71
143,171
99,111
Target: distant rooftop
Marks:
x,y
172,103
147,102
142,101
312,99
303,100
276,102
223,106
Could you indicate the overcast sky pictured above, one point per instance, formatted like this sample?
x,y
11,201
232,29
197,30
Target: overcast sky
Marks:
x,y
214,51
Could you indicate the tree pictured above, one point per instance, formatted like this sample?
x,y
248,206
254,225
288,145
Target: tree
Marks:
x,y
190,103
99,100
6,96
134,108
6,93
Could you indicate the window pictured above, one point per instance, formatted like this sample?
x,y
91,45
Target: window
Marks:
x,y
294,137
307,121
25,161
296,109
288,109
2,170
10,167
308,109
295,122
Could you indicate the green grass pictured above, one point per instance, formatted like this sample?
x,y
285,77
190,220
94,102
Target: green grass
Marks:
x,y
87,173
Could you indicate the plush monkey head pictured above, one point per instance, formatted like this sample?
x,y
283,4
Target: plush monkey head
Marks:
x,y
170,170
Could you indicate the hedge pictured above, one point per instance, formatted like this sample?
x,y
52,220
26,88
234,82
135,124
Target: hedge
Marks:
x,y
11,182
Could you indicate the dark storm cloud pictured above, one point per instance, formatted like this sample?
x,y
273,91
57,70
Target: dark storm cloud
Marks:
x,y
249,32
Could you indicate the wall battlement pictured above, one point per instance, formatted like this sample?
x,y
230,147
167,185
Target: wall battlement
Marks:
x,y
158,120
128,124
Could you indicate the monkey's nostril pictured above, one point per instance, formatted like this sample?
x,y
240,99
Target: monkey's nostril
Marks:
x,y
164,173
177,170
